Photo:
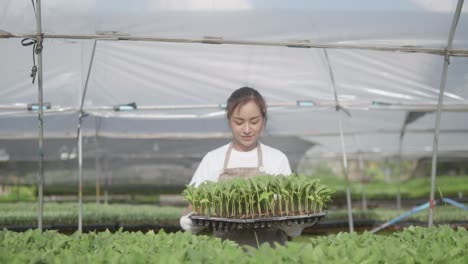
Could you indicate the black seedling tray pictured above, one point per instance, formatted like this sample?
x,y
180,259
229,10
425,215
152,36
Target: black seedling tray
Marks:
x,y
261,222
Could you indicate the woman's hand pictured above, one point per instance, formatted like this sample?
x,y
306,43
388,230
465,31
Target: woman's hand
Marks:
x,y
187,224
294,230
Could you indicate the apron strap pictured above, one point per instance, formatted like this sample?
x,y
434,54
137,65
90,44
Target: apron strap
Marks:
x,y
226,158
259,156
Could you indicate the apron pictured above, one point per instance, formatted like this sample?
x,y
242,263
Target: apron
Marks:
x,y
251,237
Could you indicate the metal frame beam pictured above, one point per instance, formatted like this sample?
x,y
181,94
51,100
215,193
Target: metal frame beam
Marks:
x,y
319,106
220,40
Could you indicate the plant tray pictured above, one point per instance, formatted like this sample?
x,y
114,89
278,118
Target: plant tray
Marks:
x,y
219,223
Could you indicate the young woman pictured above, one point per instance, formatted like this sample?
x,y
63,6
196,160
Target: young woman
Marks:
x,y
243,157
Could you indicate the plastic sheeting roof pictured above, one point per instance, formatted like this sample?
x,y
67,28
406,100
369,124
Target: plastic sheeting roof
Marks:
x,y
405,22
188,81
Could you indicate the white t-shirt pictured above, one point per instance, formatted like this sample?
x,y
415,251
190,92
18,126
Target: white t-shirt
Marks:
x,y
211,166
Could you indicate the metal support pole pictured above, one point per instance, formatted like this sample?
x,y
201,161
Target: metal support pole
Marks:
x,y
97,161
400,170
80,146
80,178
435,143
98,179
363,185
106,184
438,113
98,175
38,52
343,148
346,174
361,173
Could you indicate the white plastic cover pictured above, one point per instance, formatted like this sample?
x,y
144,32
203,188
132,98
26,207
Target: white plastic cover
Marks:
x,y
184,76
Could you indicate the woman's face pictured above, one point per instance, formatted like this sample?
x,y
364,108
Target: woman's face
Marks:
x,y
246,125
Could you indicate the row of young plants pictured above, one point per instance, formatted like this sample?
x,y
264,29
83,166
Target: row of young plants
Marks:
x,y
413,245
17,193
25,214
259,196
446,186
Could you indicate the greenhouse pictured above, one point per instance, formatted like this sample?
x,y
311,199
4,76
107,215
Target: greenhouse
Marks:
x,y
107,109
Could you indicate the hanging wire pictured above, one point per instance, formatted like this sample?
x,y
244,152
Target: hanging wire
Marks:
x,y
37,47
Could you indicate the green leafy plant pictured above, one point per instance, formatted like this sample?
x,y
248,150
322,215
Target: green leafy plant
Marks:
x,y
414,245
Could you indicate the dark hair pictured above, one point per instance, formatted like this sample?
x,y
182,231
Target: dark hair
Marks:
x,y
243,95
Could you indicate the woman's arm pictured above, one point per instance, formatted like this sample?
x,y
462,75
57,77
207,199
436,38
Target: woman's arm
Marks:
x,y
187,210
